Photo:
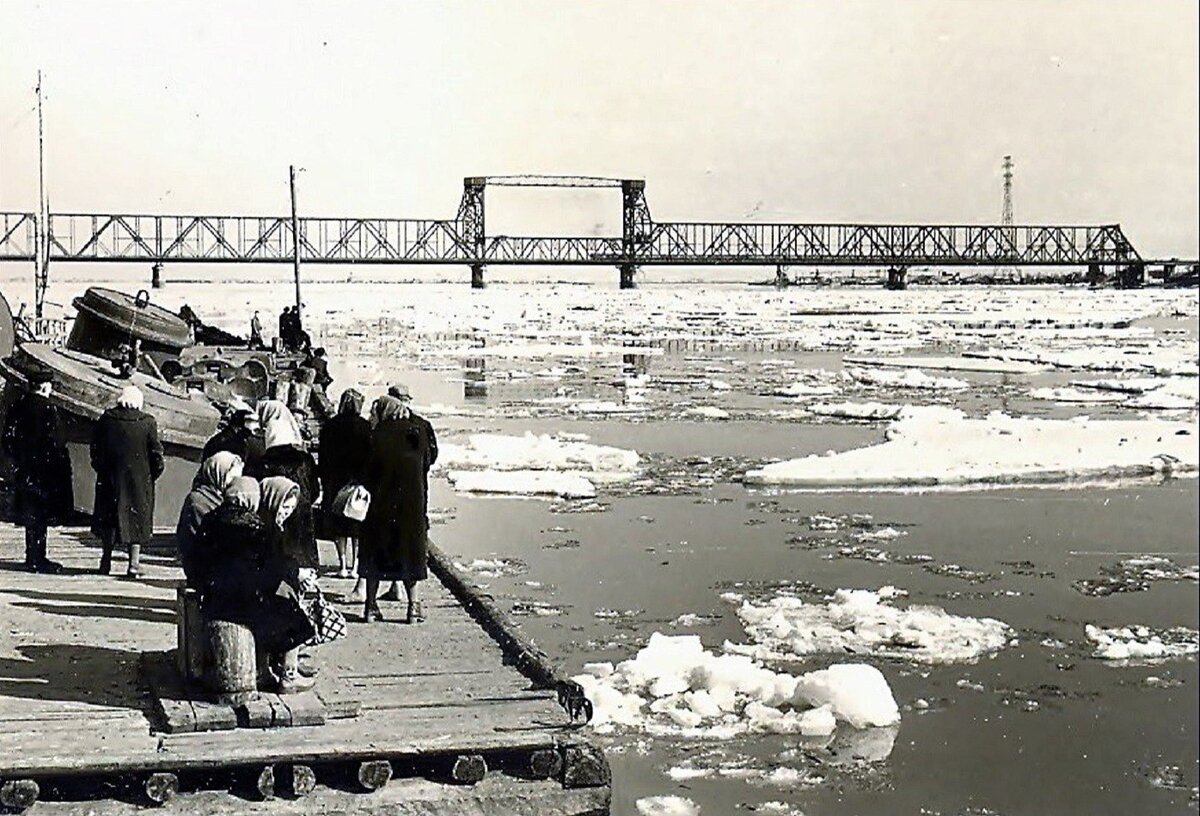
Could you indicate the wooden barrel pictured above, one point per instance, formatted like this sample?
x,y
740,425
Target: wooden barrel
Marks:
x,y
190,635
234,670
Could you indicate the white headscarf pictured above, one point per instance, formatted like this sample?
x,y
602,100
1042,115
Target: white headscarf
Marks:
x,y
279,425
131,397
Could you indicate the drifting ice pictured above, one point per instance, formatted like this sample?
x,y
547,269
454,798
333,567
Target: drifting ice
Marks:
x,y
536,465
940,446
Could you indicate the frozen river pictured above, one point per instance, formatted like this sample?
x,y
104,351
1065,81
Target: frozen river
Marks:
x,y
1014,707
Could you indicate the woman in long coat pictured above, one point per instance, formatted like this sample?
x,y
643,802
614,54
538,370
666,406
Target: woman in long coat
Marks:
x,y
344,447
208,492
250,583
127,457
285,456
395,532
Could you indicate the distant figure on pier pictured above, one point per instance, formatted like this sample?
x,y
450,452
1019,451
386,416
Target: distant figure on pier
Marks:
x,y
208,492
191,319
286,456
395,533
256,335
34,442
285,328
128,457
345,446
238,435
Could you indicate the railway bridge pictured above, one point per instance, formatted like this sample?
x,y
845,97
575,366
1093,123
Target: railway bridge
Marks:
x,y
1102,249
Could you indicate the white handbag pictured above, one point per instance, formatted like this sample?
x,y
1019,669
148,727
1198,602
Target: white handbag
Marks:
x,y
352,501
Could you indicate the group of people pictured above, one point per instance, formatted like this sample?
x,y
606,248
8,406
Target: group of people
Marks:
x,y
292,335
247,535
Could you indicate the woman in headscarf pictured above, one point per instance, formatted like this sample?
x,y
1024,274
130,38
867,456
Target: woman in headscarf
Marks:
x,y
250,583
208,492
344,447
285,456
395,531
127,457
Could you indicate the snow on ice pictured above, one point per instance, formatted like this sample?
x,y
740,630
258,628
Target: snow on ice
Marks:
x,y
860,621
1135,643
667,806
674,685
929,446
911,378
536,465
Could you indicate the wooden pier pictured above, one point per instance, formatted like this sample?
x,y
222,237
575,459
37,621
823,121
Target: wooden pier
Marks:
x,y
450,716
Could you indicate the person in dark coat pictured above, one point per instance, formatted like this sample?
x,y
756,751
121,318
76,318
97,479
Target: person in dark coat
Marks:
x,y
207,494
34,443
286,457
238,435
248,581
256,329
318,362
127,457
345,445
395,533
286,335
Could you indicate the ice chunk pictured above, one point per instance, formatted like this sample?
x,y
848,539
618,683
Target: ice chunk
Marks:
x,y
854,692
1134,643
523,482
667,806
912,378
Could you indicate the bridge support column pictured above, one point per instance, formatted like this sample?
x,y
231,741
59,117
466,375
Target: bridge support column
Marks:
x,y
781,276
897,277
156,276
477,276
1131,276
1095,275
627,273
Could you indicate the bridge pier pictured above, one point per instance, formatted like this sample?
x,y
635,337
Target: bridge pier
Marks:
x,y
477,276
627,272
781,277
897,277
1095,275
1131,276
156,276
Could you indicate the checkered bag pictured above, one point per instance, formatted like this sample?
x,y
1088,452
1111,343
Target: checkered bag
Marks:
x,y
328,623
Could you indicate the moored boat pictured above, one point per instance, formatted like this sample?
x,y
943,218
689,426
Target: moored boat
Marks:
x,y
118,340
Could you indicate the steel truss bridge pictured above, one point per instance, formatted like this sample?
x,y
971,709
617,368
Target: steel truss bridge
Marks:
x,y
643,241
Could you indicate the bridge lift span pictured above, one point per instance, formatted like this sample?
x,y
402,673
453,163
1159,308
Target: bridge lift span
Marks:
x,y
643,241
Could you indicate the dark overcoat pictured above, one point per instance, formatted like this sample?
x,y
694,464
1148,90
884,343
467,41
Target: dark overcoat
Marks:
x,y
34,442
241,576
395,533
345,446
238,440
299,533
127,457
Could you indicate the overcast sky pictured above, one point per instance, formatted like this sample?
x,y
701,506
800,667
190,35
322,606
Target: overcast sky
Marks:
x,y
888,111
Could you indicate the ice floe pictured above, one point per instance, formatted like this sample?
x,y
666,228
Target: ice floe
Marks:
x,y
535,465
913,378
859,621
995,366
932,446
673,685
1136,643
669,805
857,410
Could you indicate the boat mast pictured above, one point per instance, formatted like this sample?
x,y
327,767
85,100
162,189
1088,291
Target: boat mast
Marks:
x,y
295,240
41,258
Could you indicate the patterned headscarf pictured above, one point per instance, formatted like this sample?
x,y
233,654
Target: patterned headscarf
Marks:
x,y
388,407
243,492
279,424
351,402
275,489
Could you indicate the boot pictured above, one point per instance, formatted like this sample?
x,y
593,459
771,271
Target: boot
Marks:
x,y
415,613
371,612
106,541
134,570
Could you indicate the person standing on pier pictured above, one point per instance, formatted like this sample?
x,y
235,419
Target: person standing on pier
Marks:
x,y
395,533
238,435
345,445
256,335
128,457
287,457
33,441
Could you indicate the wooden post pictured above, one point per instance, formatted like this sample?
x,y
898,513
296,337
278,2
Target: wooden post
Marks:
x,y
190,637
161,787
234,674
18,795
303,781
545,764
295,241
374,774
468,769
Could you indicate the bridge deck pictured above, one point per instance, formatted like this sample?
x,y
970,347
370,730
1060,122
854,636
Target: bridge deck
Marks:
x,y
71,699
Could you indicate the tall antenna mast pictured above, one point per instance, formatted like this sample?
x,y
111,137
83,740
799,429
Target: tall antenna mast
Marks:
x,y
41,262
1006,214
